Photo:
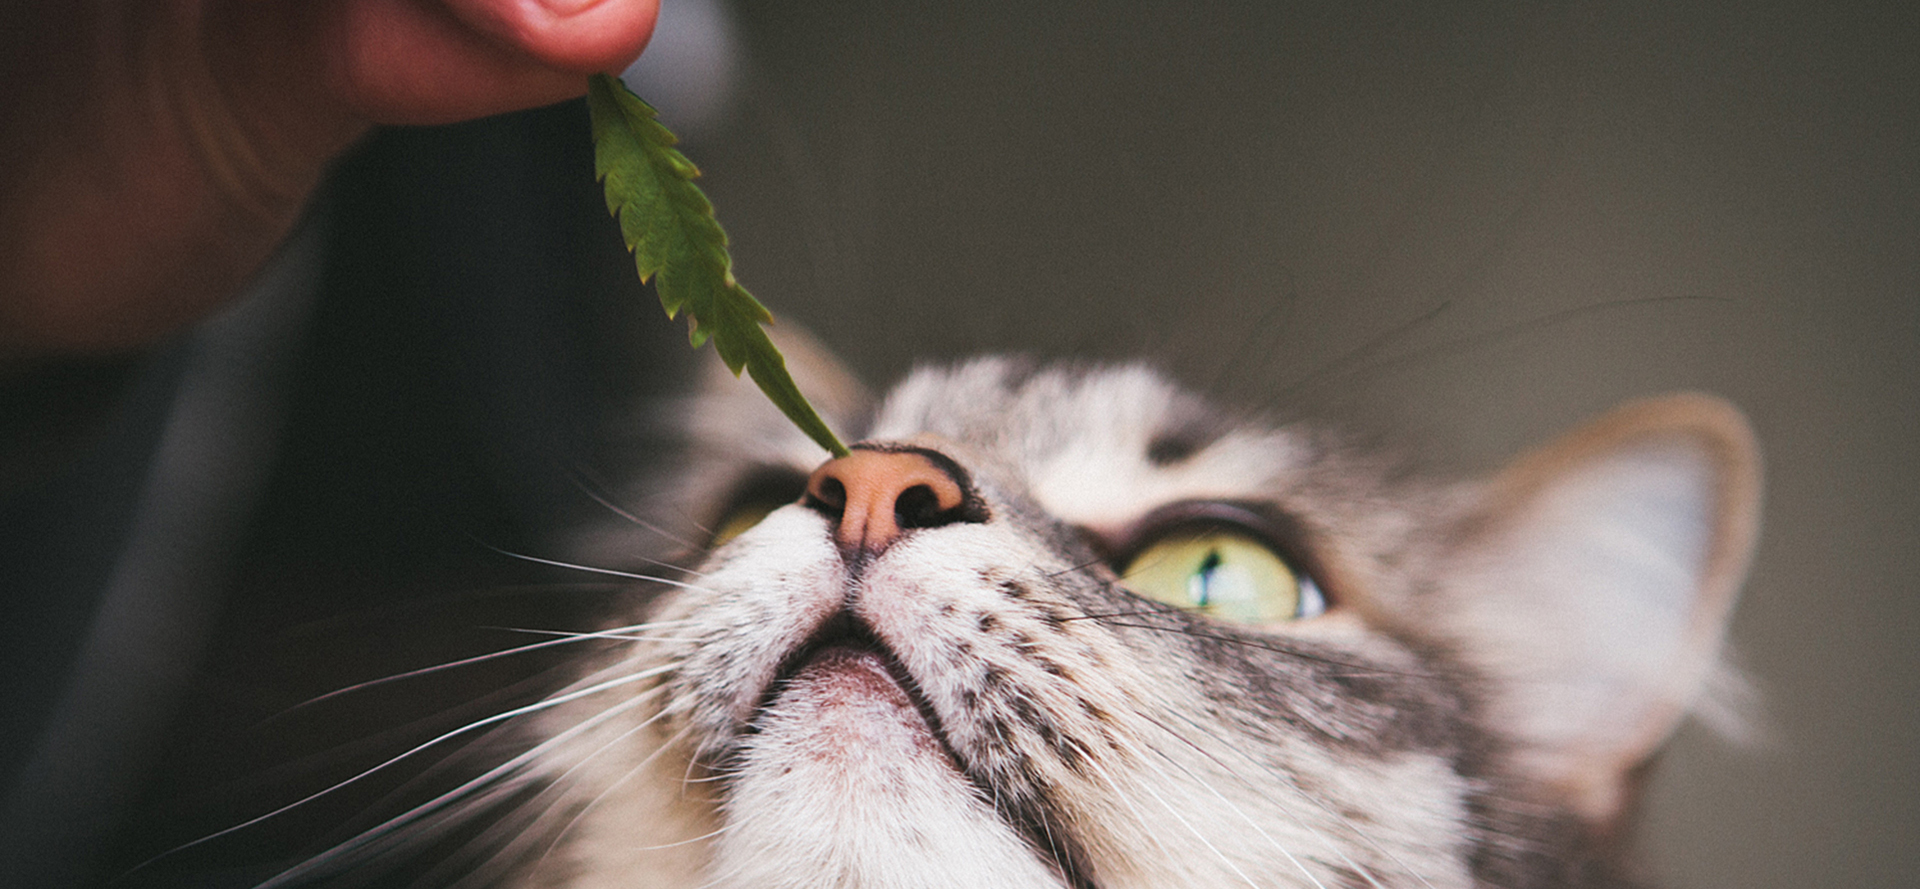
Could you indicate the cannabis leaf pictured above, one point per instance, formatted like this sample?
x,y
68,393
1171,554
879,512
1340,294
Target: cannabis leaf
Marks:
x,y
669,226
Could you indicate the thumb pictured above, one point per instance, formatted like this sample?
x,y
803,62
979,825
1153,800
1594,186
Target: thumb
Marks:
x,y
580,36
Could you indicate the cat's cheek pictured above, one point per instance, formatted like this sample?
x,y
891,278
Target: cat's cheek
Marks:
x,y
905,587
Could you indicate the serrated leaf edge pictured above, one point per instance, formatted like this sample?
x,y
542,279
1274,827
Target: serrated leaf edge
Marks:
x,y
627,134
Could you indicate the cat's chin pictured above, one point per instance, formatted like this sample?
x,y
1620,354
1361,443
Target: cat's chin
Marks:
x,y
842,728
844,707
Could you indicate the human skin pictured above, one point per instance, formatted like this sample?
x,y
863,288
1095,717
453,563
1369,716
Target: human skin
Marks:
x,y
154,152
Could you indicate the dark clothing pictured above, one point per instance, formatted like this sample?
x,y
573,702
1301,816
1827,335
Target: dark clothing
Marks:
x,y
299,486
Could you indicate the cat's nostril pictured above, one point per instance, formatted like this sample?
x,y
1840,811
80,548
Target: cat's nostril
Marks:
x,y
830,496
918,507
875,495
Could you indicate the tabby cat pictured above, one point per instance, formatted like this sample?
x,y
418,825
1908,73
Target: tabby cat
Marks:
x,y
1071,627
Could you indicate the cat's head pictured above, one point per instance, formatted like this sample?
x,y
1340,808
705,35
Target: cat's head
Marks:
x,y
1070,626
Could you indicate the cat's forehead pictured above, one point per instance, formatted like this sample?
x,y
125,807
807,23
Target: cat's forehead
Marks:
x,y
1094,445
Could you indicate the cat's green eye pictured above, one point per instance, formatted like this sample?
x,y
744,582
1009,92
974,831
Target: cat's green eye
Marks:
x,y
1225,574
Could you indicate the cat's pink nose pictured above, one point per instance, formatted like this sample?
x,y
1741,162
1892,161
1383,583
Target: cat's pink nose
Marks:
x,y
876,495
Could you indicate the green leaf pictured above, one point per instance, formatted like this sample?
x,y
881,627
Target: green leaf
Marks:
x,y
677,244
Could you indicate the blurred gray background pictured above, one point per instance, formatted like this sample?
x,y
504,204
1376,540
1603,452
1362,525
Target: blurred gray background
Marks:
x,y
1456,228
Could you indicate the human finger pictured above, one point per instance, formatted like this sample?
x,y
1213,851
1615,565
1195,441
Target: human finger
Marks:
x,y
439,61
582,36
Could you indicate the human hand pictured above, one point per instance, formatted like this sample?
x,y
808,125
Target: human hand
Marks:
x,y
155,151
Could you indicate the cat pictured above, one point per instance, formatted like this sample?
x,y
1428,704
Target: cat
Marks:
x,y
1070,626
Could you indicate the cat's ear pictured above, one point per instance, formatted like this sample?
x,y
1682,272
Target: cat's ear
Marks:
x,y
1598,574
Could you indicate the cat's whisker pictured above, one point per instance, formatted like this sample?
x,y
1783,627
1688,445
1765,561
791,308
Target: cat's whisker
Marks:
x,y
623,634
594,492
499,849
571,566
720,774
644,625
370,857
1372,346
1146,758
1289,782
469,727
1270,839
718,777
488,781
569,637
1272,317
1046,830
1110,615
522,829
1115,788
1359,670
1070,569
658,640
722,830
386,738
1224,858
604,792
1463,344
368,853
